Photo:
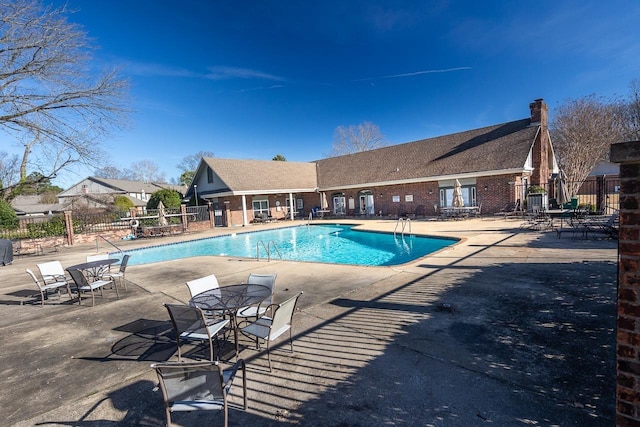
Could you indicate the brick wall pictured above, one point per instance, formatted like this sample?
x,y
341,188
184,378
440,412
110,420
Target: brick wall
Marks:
x,y
628,333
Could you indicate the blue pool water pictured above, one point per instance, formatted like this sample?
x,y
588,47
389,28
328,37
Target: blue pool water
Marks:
x,y
334,244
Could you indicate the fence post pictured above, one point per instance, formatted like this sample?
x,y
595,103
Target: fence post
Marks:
x,y
212,219
68,224
183,212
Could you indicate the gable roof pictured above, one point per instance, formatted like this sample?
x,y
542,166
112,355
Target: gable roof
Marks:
x,y
130,186
24,205
504,147
262,176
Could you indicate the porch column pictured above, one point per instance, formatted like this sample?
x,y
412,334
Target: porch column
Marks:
x,y
244,211
292,206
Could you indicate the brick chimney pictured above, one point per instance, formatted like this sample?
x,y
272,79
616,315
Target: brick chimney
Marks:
x,y
539,112
542,145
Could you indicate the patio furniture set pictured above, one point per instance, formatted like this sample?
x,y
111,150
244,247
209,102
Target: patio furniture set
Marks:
x,y
93,275
577,222
213,314
456,213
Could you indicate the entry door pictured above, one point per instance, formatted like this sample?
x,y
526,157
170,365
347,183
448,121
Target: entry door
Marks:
x,y
338,205
363,205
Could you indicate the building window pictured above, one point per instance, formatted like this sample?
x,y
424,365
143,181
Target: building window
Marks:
x,y
260,206
209,175
468,195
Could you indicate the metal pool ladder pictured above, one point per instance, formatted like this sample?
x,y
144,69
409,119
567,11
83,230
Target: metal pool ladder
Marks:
x,y
271,244
405,222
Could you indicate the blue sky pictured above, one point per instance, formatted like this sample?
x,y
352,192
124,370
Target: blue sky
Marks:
x,y
256,79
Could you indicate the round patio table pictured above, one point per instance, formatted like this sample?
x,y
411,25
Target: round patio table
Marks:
x,y
93,267
229,299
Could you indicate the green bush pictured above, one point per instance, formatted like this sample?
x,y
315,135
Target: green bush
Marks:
x,y
536,189
123,203
8,218
170,199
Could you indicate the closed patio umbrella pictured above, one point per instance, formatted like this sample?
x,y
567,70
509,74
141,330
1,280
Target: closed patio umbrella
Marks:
x,y
324,205
458,201
162,220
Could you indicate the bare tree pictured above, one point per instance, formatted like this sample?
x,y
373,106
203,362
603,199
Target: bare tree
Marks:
x,y
8,169
189,164
630,110
52,102
146,171
109,172
582,132
354,139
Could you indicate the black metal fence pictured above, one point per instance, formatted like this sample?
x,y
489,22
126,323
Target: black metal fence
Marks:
x,y
198,213
598,194
34,227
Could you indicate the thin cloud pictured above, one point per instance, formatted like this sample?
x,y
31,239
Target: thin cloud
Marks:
x,y
226,73
151,69
416,73
261,88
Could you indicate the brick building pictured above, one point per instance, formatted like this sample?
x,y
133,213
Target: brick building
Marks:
x,y
494,164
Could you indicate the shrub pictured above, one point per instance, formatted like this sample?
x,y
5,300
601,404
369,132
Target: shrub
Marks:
x,y
8,217
123,203
170,199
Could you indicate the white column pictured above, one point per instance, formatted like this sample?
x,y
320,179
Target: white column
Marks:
x,y
292,206
244,211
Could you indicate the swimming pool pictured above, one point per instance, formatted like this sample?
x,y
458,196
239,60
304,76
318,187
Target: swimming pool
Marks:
x,y
334,244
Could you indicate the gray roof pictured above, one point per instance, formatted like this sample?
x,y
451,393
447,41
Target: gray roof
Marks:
x,y
263,175
31,205
129,186
494,148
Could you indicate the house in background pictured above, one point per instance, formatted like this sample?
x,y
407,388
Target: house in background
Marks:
x,y
33,206
494,164
98,193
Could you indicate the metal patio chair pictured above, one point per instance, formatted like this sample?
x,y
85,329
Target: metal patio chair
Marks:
x,y
270,328
52,272
198,386
255,311
84,285
120,273
191,324
45,288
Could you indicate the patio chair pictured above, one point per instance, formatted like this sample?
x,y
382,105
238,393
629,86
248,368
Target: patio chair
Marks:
x,y
609,227
190,324
45,288
203,284
198,386
52,272
268,280
198,286
478,212
83,285
270,328
102,270
120,273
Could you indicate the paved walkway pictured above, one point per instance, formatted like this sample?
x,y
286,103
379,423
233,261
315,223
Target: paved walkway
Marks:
x,y
506,328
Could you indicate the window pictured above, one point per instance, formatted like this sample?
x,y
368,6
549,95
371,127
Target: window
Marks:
x,y
209,175
468,195
260,206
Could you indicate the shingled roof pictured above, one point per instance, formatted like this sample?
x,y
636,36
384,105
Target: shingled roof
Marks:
x,y
494,148
263,176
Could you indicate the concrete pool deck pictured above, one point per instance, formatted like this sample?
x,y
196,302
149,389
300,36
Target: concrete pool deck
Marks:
x,y
508,327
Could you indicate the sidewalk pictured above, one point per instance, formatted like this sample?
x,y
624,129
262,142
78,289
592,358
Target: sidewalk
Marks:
x,y
506,328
